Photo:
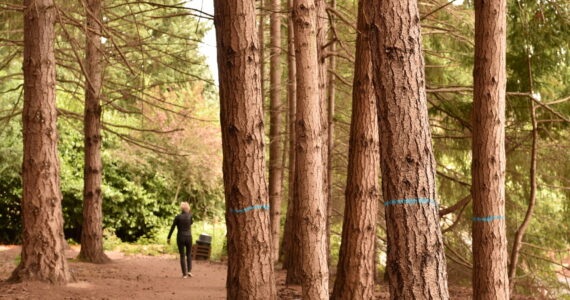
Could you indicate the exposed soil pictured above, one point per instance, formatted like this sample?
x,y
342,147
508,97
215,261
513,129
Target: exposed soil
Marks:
x,y
127,277
143,277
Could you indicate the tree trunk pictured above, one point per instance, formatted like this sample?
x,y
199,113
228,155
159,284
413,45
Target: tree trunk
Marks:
x,y
275,143
293,263
416,257
309,158
322,39
330,121
292,257
92,230
261,34
490,279
356,266
250,264
43,244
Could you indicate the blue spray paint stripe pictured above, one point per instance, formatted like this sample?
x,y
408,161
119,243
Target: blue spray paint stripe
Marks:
x,y
265,207
411,201
488,219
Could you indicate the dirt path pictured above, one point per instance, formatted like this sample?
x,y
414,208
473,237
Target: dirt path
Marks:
x,y
146,278
128,277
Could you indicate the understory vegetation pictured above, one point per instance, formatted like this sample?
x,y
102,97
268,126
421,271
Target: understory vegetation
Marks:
x,y
162,137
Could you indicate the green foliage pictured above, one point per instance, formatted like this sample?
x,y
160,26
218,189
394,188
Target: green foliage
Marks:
x,y
157,245
335,242
155,83
161,143
542,29
72,242
448,35
138,198
10,183
110,240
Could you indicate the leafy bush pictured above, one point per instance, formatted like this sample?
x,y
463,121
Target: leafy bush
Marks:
x,y
157,244
72,242
10,184
110,240
138,198
215,229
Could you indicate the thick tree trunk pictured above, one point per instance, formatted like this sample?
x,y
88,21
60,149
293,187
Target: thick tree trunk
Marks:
x,y
275,143
309,158
416,257
43,244
356,266
490,280
250,264
292,257
92,230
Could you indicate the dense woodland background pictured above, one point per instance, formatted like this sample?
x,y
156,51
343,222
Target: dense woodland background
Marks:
x,y
162,139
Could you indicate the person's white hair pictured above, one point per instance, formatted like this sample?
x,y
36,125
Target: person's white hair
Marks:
x,y
185,206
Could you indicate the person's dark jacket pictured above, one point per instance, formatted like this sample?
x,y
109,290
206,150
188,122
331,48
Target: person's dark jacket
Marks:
x,y
184,224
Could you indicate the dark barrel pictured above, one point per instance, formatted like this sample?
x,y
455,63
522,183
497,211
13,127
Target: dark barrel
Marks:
x,y
204,239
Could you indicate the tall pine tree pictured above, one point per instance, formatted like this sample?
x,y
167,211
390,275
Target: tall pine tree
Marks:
x,y
416,257
309,168
490,280
250,264
43,242
92,230
275,143
356,266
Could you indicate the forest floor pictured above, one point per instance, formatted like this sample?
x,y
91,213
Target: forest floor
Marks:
x,y
142,277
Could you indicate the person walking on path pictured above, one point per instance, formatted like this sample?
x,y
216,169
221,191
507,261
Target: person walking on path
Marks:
x,y
183,222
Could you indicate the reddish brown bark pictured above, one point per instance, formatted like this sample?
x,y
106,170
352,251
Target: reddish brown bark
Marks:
x,y
331,94
309,158
275,143
250,264
416,257
261,35
43,244
92,230
490,280
292,261
356,266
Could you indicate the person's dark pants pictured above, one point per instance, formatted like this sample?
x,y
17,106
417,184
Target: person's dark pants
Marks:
x,y
185,244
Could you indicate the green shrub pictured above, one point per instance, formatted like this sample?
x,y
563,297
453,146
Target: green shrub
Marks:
x,y
157,243
110,240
